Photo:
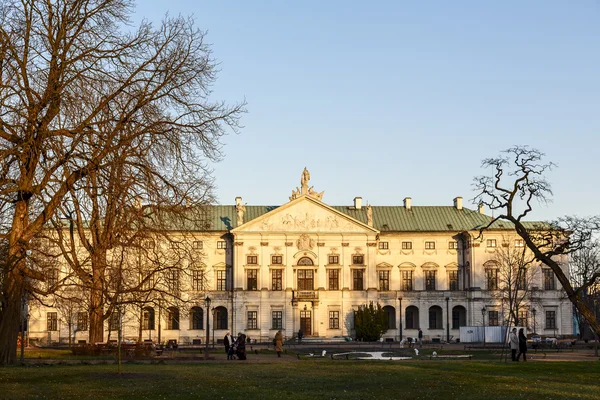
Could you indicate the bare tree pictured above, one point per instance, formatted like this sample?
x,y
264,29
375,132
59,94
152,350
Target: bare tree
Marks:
x,y
75,87
517,182
584,267
511,276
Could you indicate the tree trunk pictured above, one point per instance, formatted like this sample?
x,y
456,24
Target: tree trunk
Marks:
x,y
140,326
13,286
97,300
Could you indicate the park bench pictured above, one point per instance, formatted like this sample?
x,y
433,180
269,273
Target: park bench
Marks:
x,y
452,356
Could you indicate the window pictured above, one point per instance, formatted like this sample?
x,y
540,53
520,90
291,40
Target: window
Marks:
x,y
455,318
406,245
196,318
252,275
198,245
220,318
52,278
384,245
174,245
522,319
522,279
334,260
407,281
429,245
276,279
252,320
172,278
412,317
430,280
277,320
550,319
491,275
305,261
305,279
493,318
276,260
52,321
252,260
491,243
435,318
519,243
221,280
453,245
357,279
173,318
148,282
197,280
548,279
358,260
384,280
453,280
82,321
334,320
113,321
334,279
148,318
221,244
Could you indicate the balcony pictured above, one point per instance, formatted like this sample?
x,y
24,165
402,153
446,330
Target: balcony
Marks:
x,y
305,295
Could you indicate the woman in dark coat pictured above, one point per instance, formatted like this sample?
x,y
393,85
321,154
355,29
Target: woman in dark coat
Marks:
x,y
522,345
241,346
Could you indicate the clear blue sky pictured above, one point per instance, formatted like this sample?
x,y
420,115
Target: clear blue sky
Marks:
x,y
389,99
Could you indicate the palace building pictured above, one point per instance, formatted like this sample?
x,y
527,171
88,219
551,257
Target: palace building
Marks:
x,y
307,265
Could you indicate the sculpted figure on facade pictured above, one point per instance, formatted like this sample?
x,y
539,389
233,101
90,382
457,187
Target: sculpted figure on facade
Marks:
x,y
304,181
369,215
240,209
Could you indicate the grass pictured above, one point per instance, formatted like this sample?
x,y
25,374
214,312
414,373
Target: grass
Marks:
x,y
322,379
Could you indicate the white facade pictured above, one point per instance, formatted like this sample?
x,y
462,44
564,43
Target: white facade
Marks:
x,y
306,265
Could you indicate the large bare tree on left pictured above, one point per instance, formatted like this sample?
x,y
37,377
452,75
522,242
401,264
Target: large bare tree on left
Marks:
x,y
77,83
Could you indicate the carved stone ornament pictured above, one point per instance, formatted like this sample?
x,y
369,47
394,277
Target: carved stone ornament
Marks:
x,y
304,242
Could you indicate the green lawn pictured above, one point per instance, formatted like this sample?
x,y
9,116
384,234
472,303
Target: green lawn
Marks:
x,y
319,379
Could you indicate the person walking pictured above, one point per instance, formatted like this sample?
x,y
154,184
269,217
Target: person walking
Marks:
x,y
522,345
300,335
278,343
513,339
228,342
420,338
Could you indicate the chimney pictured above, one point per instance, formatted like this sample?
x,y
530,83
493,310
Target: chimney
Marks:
x,y
358,203
238,201
458,203
407,204
481,208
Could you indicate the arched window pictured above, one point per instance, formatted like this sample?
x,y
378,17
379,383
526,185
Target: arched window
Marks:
x,y
412,317
435,317
220,318
459,317
391,316
148,318
173,318
305,261
196,318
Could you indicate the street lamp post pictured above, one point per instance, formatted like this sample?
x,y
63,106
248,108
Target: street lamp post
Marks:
x,y
400,299
207,301
447,321
483,323
534,311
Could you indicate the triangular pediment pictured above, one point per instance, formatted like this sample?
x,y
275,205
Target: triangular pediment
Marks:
x,y
305,214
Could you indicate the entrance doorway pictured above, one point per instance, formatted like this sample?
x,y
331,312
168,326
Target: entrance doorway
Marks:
x,y
306,323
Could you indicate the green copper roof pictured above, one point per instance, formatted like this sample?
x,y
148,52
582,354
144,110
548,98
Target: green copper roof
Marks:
x,y
385,218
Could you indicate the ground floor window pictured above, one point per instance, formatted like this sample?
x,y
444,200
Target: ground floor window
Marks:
x,y
493,318
277,320
334,320
252,320
52,321
82,321
550,319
